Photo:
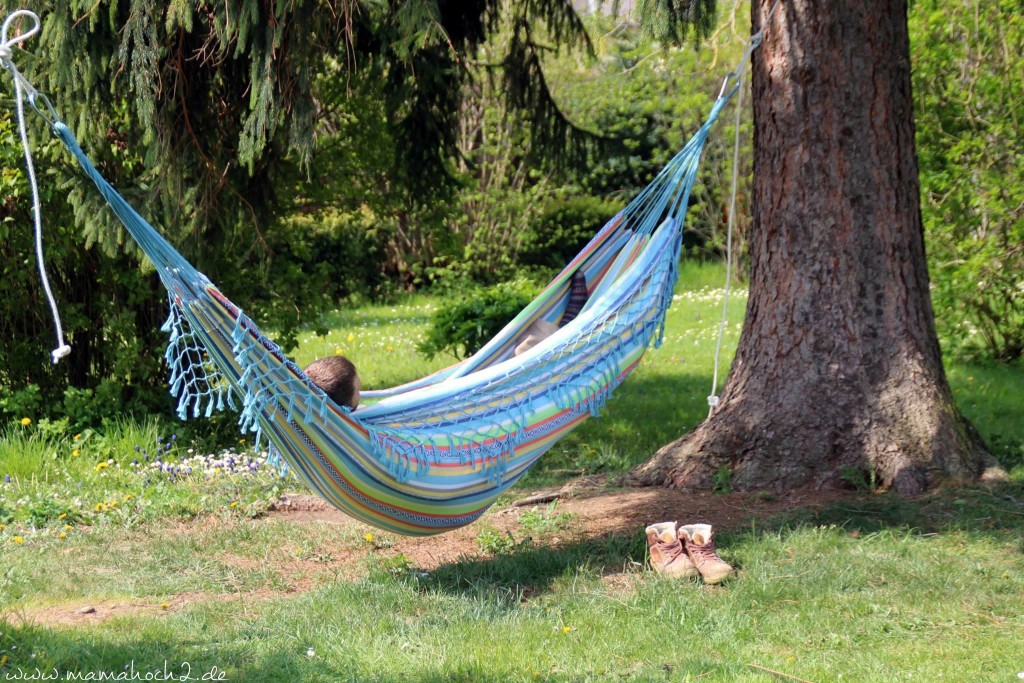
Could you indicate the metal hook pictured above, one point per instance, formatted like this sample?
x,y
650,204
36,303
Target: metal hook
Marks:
x,y
50,115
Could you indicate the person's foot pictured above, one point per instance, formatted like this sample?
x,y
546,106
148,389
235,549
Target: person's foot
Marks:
x,y
577,298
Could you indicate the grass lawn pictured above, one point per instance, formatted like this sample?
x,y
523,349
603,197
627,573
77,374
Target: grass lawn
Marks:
x,y
134,553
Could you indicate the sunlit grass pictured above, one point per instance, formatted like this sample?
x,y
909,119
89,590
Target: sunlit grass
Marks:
x,y
865,600
874,588
381,340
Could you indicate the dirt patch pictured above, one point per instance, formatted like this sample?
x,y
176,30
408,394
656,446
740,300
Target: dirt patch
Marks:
x,y
596,512
91,612
600,512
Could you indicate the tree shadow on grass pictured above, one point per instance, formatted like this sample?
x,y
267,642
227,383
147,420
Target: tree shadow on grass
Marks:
x,y
532,569
40,653
43,653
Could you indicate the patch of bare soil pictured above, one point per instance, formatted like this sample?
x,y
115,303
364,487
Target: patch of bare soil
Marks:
x,y
597,511
91,612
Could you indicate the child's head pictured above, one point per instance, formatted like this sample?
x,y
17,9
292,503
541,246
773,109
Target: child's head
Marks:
x,y
336,375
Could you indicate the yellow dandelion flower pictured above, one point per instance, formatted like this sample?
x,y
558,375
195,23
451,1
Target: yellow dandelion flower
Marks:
x,y
350,337
566,629
128,497
26,421
368,538
339,351
234,504
99,507
18,539
62,534
390,349
77,437
75,453
100,466
68,527
164,605
62,515
2,527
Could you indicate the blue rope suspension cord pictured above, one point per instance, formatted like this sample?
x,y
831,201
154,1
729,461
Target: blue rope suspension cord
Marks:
x,y
24,90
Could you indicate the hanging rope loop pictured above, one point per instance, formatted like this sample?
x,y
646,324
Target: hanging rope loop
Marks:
x,y
24,90
6,43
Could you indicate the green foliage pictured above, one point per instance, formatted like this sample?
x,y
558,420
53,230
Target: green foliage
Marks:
x,y
968,88
463,327
647,98
501,191
318,262
859,479
545,522
721,481
563,227
111,311
640,96
1008,450
495,542
673,22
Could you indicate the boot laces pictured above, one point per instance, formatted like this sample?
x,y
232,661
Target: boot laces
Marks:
x,y
670,550
703,552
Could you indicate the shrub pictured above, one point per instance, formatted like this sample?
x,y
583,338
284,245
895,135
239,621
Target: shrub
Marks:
x,y
316,262
563,228
463,327
972,178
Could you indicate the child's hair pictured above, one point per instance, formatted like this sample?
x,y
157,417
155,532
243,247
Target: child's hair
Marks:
x,y
337,376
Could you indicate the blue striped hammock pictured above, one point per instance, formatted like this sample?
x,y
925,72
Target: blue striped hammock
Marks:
x,y
433,455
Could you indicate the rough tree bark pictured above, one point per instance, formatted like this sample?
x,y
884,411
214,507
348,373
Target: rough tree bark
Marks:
x,y
838,364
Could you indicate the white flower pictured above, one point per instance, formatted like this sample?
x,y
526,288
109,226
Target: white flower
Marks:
x,y
310,652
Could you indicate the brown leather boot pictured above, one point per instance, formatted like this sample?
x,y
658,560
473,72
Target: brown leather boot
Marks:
x,y
699,542
666,550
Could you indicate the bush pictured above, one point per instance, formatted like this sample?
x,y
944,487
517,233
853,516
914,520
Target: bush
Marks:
x,y
317,261
463,327
111,312
563,228
972,178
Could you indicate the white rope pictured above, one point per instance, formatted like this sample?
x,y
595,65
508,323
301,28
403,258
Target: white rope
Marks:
x,y
23,90
752,44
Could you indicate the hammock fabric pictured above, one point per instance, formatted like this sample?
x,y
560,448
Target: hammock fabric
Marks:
x,y
433,455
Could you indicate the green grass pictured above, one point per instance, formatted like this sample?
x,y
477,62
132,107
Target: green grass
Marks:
x,y
380,340
871,588
667,394
868,599
990,397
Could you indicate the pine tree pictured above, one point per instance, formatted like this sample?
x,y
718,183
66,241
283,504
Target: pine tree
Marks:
x,y
838,366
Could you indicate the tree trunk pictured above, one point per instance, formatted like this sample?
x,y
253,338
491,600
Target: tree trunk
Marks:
x,y
838,366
